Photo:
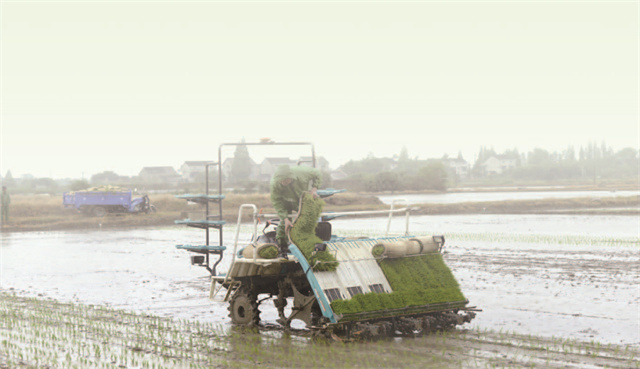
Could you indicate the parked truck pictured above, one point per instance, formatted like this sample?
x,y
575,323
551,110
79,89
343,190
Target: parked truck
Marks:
x,y
100,201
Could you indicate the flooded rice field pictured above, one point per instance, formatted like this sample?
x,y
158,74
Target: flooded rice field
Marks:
x,y
564,276
461,197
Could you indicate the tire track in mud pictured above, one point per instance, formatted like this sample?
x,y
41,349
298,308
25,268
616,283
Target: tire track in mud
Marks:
x,y
573,266
581,291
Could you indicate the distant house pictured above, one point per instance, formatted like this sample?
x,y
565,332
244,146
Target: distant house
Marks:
x,y
498,164
159,175
194,170
321,163
269,165
458,166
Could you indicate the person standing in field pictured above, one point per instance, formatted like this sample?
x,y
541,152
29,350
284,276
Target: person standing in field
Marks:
x,y
6,200
287,185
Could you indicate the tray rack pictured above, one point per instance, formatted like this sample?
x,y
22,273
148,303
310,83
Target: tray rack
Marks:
x,y
210,221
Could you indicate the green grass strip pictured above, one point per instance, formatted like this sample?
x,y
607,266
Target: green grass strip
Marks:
x,y
303,234
415,281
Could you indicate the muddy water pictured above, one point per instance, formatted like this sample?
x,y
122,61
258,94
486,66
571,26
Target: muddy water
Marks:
x,y
135,269
584,286
577,291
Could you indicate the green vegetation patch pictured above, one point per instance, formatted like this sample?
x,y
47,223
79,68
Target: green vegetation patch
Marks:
x,y
416,281
303,234
269,251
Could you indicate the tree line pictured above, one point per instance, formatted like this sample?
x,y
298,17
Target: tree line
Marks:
x,y
587,164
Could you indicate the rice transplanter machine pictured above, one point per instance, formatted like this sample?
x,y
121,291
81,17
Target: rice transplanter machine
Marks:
x,y
363,285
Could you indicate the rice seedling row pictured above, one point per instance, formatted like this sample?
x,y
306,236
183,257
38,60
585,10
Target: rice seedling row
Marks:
x,y
49,334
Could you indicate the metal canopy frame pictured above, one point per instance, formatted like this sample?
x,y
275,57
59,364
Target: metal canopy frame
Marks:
x,y
219,163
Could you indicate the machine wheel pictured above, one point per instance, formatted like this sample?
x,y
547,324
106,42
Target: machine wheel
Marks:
x,y
99,211
302,304
316,316
243,308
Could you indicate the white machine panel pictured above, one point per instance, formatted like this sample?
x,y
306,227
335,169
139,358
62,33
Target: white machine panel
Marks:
x,y
358,271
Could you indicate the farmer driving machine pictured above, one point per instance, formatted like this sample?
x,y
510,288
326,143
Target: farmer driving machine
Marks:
x,y
354,286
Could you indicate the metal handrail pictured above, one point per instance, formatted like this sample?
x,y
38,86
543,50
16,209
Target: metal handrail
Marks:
x,y
266,142
255,229
344,213
213,293
406,231
391,211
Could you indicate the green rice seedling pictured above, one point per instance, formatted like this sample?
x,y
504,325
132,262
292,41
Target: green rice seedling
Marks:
x,y
43,336
416,281
555,239
303,234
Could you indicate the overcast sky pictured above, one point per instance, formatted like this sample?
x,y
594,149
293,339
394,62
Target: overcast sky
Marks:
x,y
94,86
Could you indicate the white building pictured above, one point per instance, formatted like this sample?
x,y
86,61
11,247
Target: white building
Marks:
x,y
458,166
498,164
193,170
321,163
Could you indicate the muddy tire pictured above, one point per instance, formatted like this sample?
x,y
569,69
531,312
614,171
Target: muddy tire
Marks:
x,y
243,309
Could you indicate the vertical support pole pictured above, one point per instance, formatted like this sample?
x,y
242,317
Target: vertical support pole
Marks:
x,y
235,244
206,205
393,203
220,192
386,234
406,229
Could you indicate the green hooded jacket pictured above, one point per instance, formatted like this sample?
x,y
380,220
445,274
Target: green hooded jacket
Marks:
x,y
285,199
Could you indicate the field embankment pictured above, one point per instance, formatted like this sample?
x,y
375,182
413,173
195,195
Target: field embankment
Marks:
x,y
629,205
46,213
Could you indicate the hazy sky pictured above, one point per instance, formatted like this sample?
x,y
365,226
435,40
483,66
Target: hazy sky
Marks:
x,y
94,86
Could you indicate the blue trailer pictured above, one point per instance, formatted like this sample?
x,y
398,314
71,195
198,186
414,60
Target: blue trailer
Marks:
x,y
99,203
